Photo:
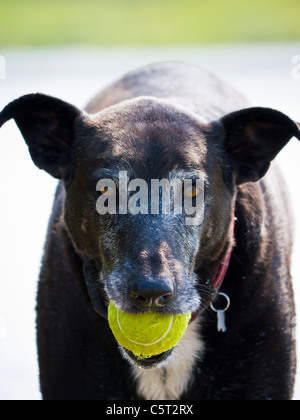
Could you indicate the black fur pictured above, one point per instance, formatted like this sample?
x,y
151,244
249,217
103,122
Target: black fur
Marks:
x,y
163,121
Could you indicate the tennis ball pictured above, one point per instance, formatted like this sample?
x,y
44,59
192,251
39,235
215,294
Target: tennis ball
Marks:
x,y
147,334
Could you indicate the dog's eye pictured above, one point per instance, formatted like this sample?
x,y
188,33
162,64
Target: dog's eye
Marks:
x,y
191,192
107,190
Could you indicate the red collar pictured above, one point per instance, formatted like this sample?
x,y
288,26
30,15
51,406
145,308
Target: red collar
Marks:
x,y
223,267
221,272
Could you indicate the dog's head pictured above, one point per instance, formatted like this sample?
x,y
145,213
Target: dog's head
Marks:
x,y
139,253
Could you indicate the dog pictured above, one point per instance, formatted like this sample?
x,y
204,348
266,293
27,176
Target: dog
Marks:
x,y
231,270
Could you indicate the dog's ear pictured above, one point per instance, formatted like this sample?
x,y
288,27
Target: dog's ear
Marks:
x,y
253,138
47,125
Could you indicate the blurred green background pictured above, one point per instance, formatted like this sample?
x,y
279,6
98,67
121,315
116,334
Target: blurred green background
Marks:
x,y
147,22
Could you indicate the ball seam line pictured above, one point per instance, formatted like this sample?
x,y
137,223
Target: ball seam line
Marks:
x,y
146,344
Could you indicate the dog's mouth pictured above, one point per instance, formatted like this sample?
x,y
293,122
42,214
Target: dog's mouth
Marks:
x,y
143,363
100,303
150,362
103,304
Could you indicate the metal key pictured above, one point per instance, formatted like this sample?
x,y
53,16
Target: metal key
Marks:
x,y
221,314
221,321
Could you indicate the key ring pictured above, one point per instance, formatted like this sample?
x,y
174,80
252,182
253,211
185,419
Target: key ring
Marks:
x,y
226,308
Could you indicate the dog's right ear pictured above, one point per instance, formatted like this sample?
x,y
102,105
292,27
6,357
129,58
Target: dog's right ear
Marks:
x,y
47,125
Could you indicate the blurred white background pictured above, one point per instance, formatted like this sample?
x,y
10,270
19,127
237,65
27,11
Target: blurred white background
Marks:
x,y
266,74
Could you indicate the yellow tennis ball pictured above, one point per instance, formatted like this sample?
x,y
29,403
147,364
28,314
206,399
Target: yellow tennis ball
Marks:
x,y
147,334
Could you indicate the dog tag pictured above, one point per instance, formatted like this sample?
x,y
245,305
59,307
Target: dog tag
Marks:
x,y
221,314
221,321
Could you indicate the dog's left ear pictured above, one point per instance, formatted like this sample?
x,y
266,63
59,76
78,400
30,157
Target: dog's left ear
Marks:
x,y
253,138
47,125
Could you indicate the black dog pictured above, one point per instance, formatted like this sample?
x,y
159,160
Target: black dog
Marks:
x,y
165,121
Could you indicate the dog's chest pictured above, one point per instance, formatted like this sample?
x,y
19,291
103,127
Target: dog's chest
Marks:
x,y
171,380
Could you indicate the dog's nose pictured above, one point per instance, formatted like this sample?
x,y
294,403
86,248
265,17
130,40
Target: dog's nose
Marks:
x,y
151,294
